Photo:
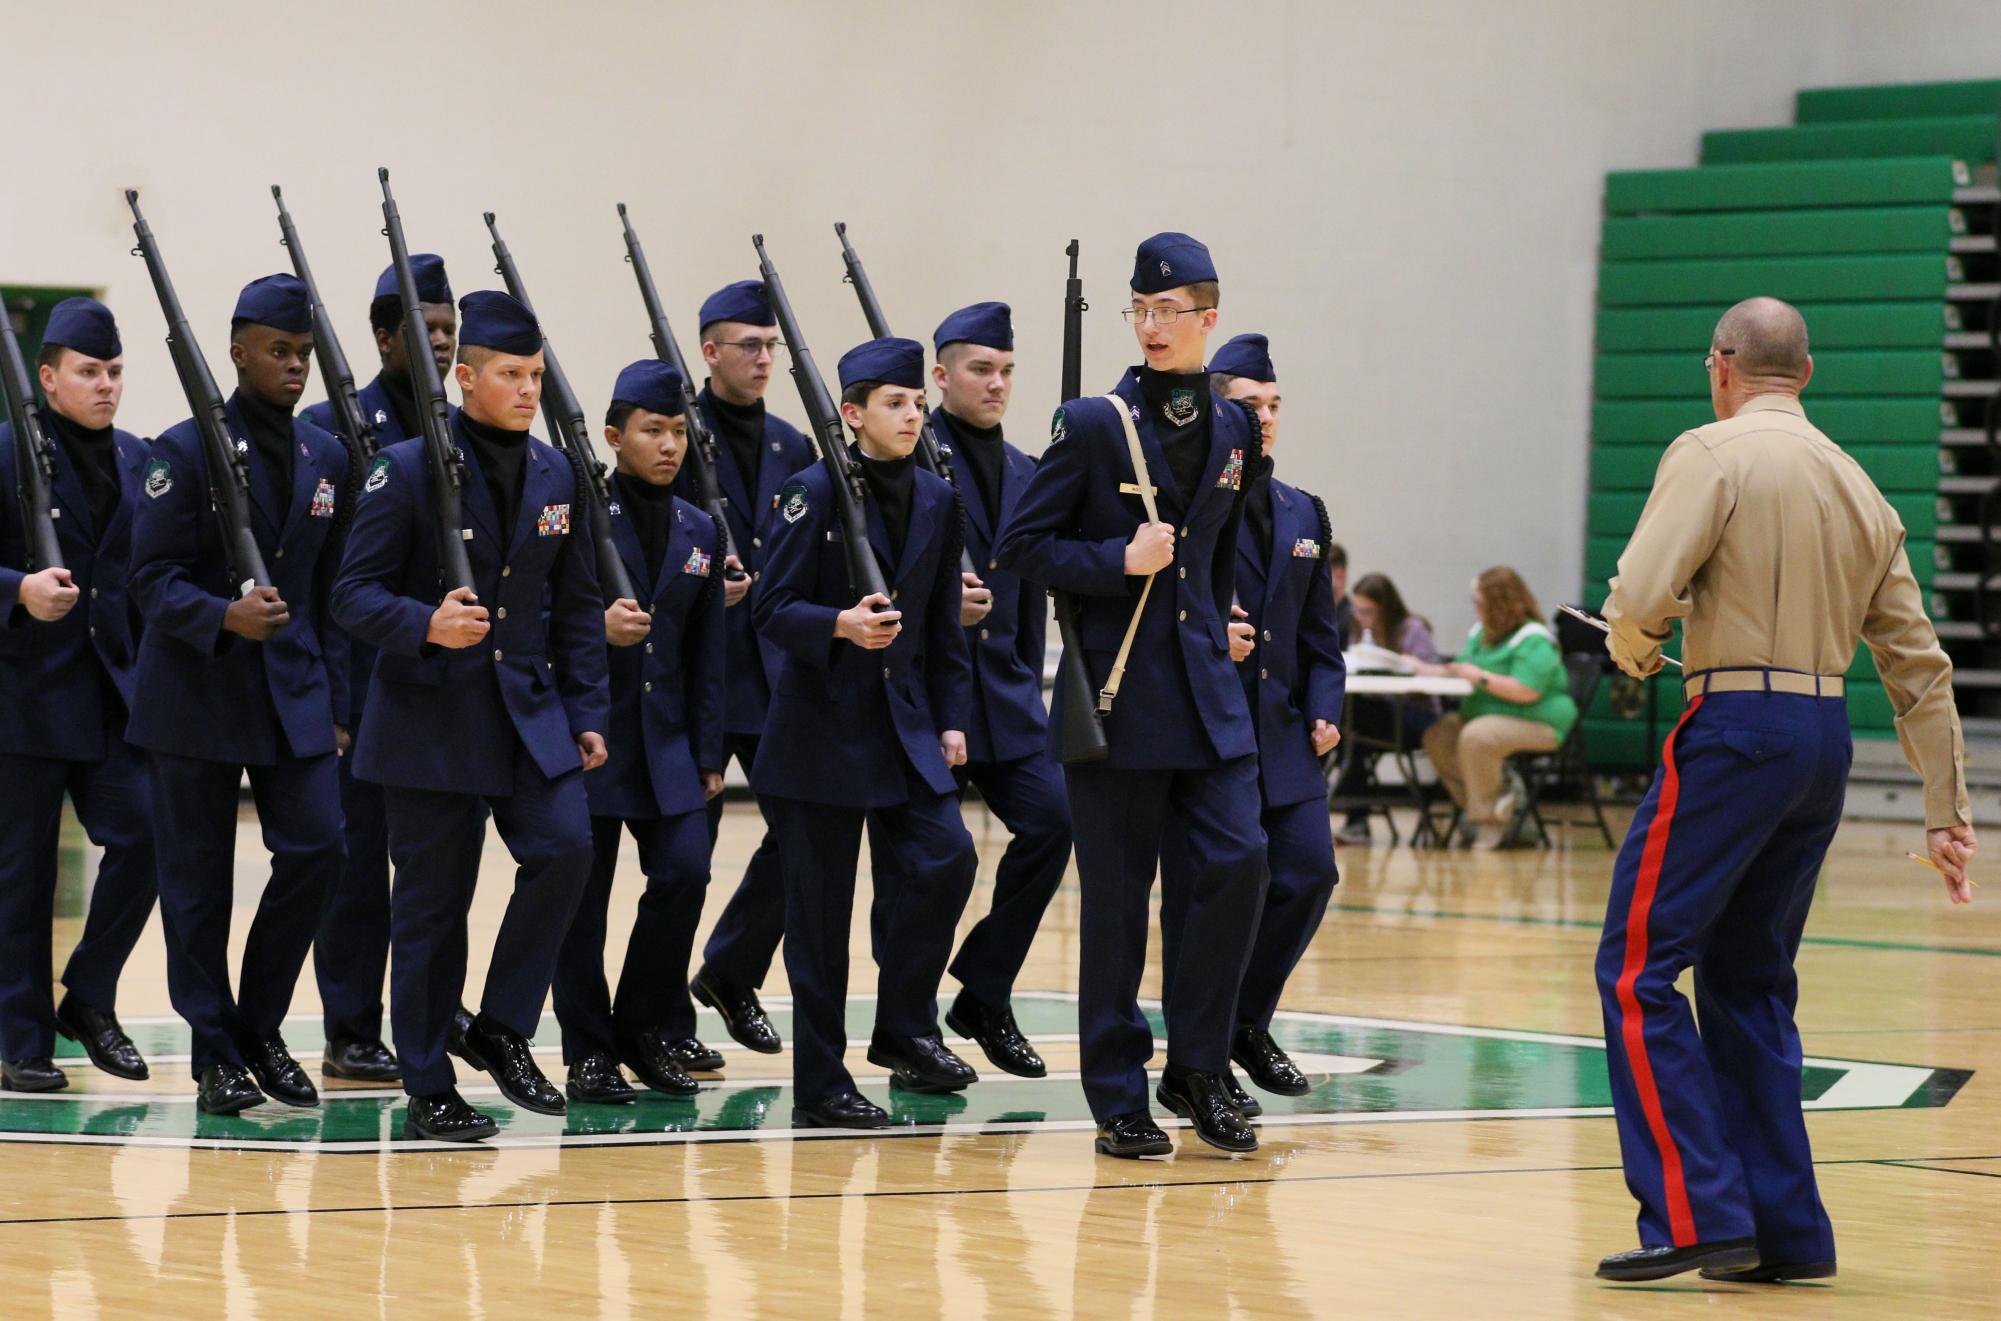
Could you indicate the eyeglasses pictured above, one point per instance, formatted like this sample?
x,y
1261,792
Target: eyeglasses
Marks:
x,y
1160,316
753,347
1709,358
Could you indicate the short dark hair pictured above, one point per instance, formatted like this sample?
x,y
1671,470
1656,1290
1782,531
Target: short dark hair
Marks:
x,y
858,393
1206,293
50,355
386,312
619,414
475,356
1336,555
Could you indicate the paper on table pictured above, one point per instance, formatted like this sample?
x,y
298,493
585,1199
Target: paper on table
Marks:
x,y
1367,658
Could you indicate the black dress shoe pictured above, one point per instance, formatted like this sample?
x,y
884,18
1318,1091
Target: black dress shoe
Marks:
x,y
742,1014
997,1035
456,1042
1131,1136
595,1080
360,1061
1247,1105
39,1074
1777,1272
842,1110
653,1063
445,1117
920,1064
1270,1067
512,1067
1730,1254
695,1057
226,1089
1203,1100
97,1031
281,1077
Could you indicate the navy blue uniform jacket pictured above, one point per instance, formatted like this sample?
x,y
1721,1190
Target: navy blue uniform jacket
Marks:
x,y
450,720
203,692
1296,675
667,691
55,700
1181,706
847,725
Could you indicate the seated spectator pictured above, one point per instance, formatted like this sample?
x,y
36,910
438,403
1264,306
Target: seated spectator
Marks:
x,y
1336,556
1382,620
1520,703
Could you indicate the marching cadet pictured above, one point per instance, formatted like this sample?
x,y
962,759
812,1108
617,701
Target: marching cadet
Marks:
x,y
664,762
492,698
1179,790
351,948
227,683
756,453
867,737
1007,734
67,637
1295,684
1778,553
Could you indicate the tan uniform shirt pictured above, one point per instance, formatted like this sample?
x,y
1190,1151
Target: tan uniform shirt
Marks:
x,y
1779,552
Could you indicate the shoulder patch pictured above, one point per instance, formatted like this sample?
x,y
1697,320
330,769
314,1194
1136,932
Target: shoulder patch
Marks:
x,y
1059,427
378,474
792,502
159,478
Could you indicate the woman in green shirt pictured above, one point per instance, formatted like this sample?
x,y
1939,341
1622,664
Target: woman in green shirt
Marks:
x,y
1520,702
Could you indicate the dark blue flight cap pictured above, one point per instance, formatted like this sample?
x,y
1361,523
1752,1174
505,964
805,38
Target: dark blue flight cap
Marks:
x,y
1170,260
889,360
1245,355
277,301
743,301
83,324
491,319
652,385
982,323
432,286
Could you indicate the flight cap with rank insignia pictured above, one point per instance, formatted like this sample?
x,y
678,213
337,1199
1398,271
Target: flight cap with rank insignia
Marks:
x,y
277,301
988,324
490,319
652,385
744,301
1170,260
83,324
432,286
1248,356
890,360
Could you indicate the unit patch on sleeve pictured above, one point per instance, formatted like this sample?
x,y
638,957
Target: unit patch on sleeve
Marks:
x,y
792,502
378,476
554,521
159,479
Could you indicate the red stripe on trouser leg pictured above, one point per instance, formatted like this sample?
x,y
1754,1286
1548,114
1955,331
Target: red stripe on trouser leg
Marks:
x,y
1632,1021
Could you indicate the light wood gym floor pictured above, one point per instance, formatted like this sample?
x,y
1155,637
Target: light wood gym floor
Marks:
x,y
1456,1160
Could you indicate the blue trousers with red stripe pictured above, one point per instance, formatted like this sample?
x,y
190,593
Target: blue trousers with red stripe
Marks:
x,y
1717,874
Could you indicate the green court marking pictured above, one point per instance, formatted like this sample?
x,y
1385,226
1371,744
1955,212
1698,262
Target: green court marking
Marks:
x,y
1365,1070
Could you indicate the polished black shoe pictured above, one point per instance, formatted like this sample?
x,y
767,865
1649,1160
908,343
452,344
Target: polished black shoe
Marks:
x,y
1132,1136
1730,1254
653,1063
742,1014
97,1031
1247,1105
281,1077
512,1067
456,1042
360,1061
1777,1272
1270,1067
695,1057
595,1080
996,1033
226,1089
920,1064
32,1075
1203,1100
842,1110
445,1117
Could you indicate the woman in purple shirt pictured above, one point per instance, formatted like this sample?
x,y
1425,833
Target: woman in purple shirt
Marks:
x,y
1382,619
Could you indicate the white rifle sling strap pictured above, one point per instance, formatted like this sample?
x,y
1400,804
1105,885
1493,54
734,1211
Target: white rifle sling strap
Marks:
x,y
1110,691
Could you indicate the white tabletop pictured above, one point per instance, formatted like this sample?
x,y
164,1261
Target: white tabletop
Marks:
x,y
1402,684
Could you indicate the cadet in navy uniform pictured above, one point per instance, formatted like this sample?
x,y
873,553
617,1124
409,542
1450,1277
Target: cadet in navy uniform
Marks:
x,y
228,682
493,697
756,452
854,737
66,645
351,949
1295,684
1179,790
1007,736
665,746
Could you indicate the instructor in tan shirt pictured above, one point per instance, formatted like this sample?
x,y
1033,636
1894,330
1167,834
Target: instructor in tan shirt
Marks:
x,y
1779,554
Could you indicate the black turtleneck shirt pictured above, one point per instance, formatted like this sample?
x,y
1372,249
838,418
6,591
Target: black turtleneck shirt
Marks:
x,y
893,483
93,455
651,509
270,429
1257,502
978,451
503,462
742,428
1167,398
403,403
